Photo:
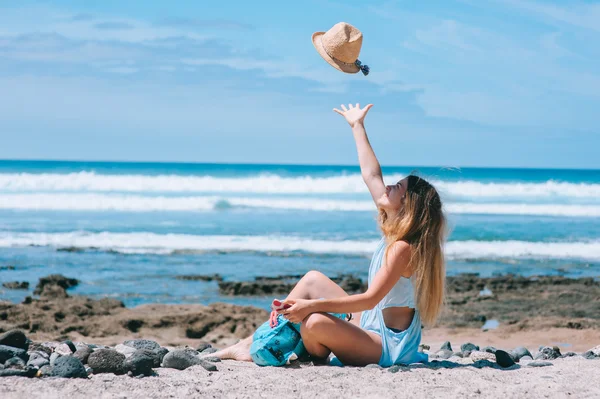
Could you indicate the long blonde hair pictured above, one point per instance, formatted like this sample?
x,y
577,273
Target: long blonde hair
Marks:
x,y
422,224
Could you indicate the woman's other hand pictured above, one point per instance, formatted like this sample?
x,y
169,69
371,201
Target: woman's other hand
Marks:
x,y
354,114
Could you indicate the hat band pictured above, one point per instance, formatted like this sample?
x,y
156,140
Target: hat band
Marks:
x,y
363,68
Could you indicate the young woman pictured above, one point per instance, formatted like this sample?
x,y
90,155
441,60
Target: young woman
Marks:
x,y
406,276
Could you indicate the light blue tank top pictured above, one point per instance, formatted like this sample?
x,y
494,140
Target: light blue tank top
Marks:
x,y
402,293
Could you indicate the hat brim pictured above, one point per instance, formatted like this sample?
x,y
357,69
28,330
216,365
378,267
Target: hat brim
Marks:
x,y
340,66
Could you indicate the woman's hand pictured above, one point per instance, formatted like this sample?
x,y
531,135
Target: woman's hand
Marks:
x,y
354,114
300,309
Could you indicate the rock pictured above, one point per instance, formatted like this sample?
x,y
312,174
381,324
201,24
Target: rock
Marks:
x,y
8,267
596,350
443,354
446,345
83,354
181,359
53,358
53,292
489,349
55,279
45,371
203,346
423,347
140,362
15,363
71,346
199,277
107,361
395,368
526,359
16,285
8,352
64,349
539,363
15,338
38,359
212,359
469,347
80,345
547,353
159,355
125,350
142,344
459,355
37,347
50,345
478,355
569,354
503,359
208,351
89,370
589,355
368,366
518,353
27,372
68,367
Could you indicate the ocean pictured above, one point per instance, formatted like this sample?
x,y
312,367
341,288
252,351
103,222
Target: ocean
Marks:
x,y
127,230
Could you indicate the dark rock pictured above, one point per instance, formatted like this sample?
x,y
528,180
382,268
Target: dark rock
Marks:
x,y
71,345
395,368
199,277
446,345
14,363
569,354
8,352
203,346
208,351
45,371
159,355
83,354
212,359
503,359
589,355
27,372
27,300
15,338
55,279
468,347
38,359
68,367
517,353
142,344
539,363
16,285
53,292
9,267
489,349
107,361
548,353
140,362
181,359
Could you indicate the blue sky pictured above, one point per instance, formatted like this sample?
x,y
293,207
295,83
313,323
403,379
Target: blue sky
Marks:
x,y
454,83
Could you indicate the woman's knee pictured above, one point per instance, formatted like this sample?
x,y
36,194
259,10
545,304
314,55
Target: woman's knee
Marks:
x,y
314,276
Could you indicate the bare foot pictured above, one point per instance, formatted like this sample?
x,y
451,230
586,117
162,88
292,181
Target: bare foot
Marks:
x,y
239,351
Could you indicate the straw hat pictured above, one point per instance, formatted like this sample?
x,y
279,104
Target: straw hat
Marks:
x,y
340,46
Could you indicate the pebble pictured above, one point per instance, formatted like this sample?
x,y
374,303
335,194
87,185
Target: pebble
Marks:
x,y
539,363
8,352
518,353
202,346
478,355
38,359
83,354
368,366
489,349
589,355
140,362
181,359
64,349
14,338
125,349
53,358
446,345
468,347
548,353
68,367
503,359
15,363
107,361
443,354
142,344
526,358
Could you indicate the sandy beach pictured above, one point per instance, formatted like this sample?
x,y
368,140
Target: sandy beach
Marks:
x,y
541,319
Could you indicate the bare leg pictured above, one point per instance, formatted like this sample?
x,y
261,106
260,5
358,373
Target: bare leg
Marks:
x,y
323,333
313,285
